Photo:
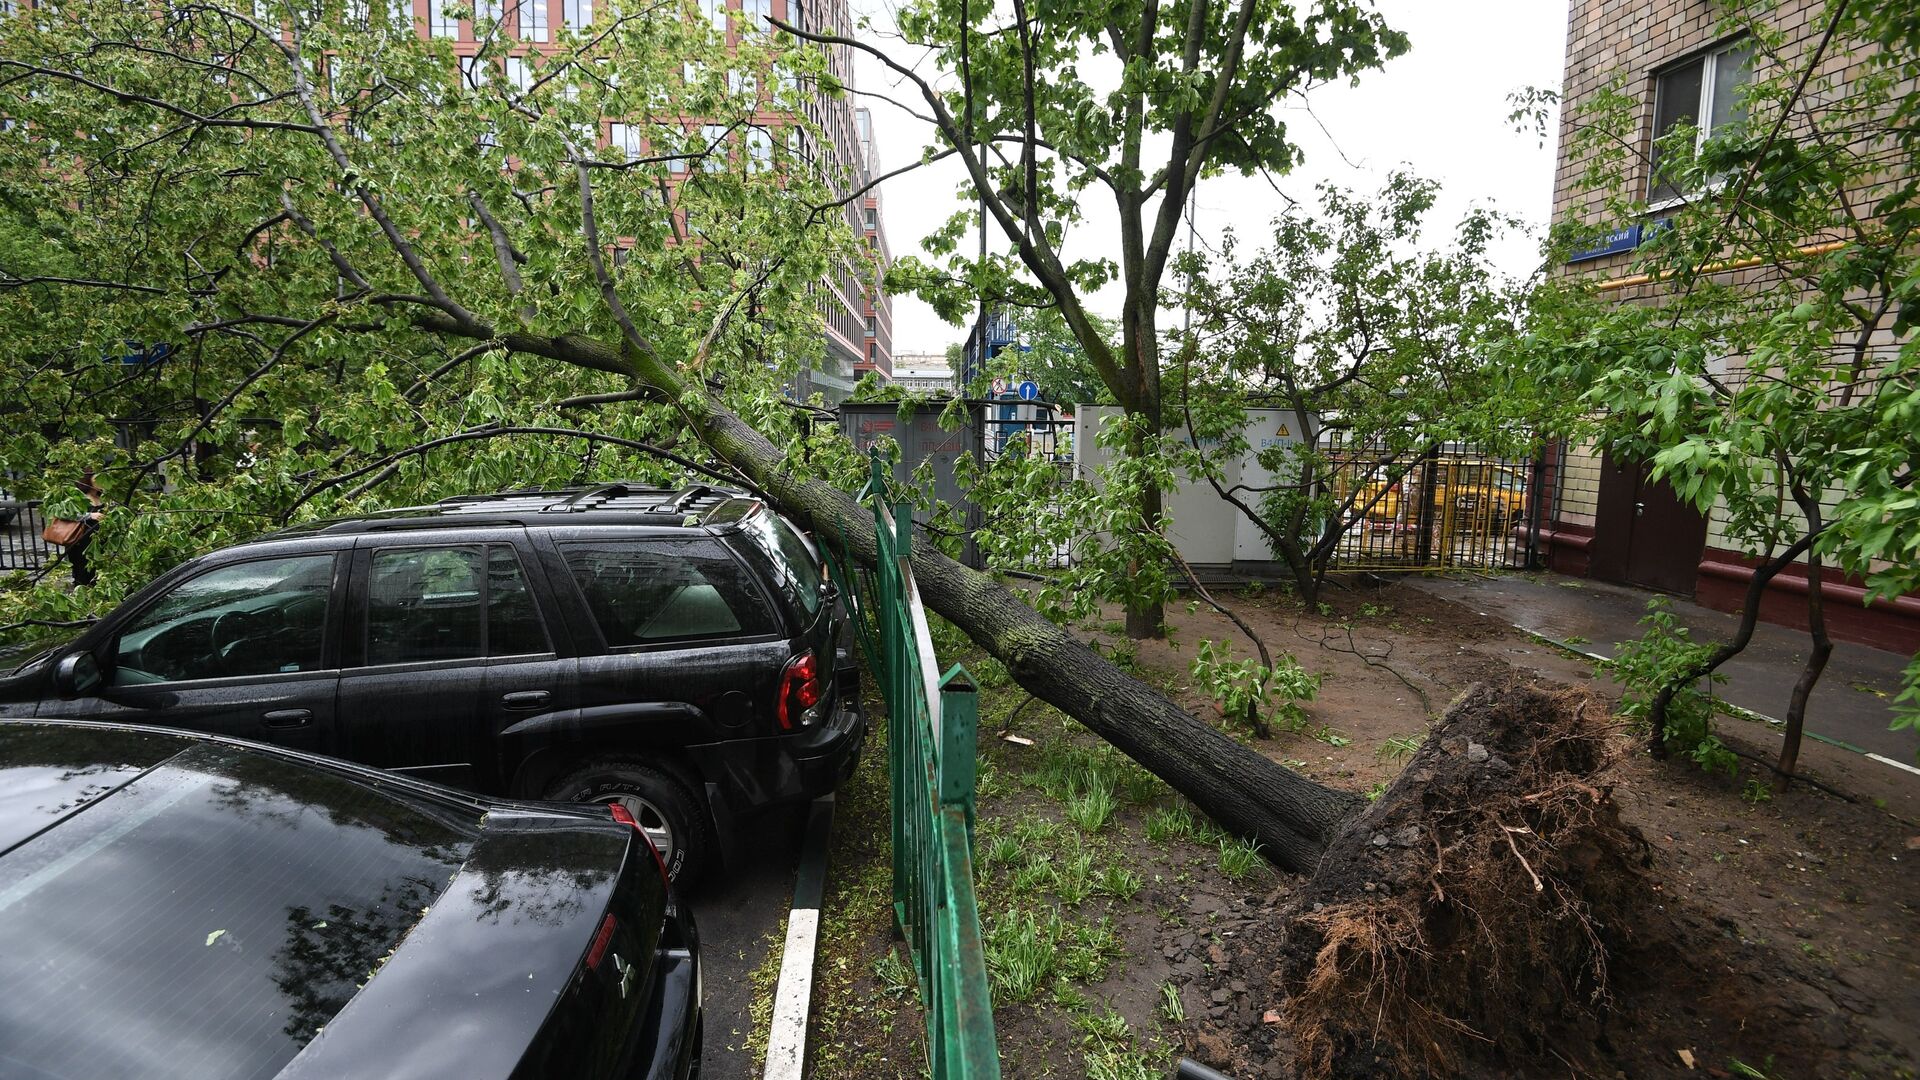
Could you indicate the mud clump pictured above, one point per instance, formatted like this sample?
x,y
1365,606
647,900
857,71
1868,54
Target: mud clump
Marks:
x,y
1473,912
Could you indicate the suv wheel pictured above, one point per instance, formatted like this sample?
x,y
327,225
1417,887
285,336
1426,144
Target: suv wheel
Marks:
x,y
671,816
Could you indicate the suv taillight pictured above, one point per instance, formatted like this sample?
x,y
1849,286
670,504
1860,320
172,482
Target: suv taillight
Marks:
x,y
625,817
800,690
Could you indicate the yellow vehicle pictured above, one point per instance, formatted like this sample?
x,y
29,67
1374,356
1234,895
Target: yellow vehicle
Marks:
x,y
1469,494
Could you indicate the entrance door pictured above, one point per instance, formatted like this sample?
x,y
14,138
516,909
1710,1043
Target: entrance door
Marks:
x,y
1643,534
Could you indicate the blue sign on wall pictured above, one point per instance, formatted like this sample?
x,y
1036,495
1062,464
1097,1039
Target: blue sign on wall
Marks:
x,y
1611,244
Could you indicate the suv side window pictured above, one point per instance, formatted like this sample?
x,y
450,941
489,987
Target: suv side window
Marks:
x,y
449,603
251,618
793,559
642,593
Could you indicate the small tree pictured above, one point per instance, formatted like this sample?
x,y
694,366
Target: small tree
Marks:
x,y
1347,321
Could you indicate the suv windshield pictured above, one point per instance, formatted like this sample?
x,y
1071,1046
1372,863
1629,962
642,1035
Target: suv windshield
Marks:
x,y
206,920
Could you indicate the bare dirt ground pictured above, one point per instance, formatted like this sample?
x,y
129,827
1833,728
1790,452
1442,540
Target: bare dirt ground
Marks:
x,y
1782,940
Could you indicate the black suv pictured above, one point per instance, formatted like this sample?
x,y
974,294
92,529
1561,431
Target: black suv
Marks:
x,y
680,653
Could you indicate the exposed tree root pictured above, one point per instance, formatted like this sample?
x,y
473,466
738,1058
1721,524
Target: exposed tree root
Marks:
x,y
1470,914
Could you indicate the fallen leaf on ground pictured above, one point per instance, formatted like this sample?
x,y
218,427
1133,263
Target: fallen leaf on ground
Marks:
x,y
1686,1058
215,936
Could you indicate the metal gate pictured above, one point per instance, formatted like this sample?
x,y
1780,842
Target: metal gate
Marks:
x,y
1451,507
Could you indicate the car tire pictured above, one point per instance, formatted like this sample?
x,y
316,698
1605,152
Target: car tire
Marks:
x,y
666,808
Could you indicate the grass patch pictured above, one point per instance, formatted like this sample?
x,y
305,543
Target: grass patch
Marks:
x,y
1091,809
1239,859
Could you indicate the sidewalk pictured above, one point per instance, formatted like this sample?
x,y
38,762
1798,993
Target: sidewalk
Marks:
x,y
1851,704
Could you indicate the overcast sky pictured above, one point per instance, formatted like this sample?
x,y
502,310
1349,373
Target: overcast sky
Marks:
x,y
1440,109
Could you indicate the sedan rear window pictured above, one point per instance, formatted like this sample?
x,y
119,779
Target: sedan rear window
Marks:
x,y
208,919
667,590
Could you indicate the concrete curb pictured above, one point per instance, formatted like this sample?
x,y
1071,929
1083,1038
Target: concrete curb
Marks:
x,y
793,994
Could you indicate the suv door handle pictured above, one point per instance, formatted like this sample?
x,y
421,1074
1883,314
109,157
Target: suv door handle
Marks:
x,y
525,699
288,718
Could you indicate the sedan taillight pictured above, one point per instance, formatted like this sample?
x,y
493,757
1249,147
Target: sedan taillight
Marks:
x,y
800,690
625,817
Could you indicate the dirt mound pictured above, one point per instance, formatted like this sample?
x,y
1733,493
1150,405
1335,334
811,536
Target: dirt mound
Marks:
x,y
1473,910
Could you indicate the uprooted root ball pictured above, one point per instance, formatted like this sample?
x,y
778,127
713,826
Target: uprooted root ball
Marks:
x,y
1469,914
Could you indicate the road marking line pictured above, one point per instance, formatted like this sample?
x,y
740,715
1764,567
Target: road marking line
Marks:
x,y
793,994
1895,764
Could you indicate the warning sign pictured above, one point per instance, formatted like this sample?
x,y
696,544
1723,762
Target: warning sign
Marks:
x,y
1283,432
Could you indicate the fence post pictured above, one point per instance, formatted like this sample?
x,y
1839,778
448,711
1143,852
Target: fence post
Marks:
x,y
959,725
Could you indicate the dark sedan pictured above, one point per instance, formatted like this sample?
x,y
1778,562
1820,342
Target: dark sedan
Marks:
x,y
178,905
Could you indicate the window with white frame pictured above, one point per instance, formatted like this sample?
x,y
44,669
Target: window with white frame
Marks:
x,y
474,71
716,12
488,11
759,150
625,138
741,82
441,20
519,74
532,15
754,14
713,137
1702,93
575,14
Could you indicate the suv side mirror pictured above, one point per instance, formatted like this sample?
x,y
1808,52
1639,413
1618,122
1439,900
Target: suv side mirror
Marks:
x,y
76,674
829,593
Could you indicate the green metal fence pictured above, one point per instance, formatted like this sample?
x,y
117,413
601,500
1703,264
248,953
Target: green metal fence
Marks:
x,y
932,729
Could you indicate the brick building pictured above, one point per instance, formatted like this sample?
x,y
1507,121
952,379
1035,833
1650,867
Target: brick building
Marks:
x,y
1608,518
851,300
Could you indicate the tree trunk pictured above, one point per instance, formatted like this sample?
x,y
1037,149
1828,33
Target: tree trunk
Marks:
x,y
1147,618
1809,676
1291,817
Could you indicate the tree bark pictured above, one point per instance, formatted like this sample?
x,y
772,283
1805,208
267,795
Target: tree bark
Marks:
x,y
1822,646
1809,676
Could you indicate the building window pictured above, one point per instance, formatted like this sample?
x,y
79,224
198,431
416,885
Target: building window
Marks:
x,y
873,218
714,136
754,14
441,20
473,71
716,11
533,20
740,82
488,11
575,14
1701,93
873,327
519,75
759,150
626,139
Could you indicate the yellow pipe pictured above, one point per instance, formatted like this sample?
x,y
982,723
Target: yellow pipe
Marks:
x,y
1631,280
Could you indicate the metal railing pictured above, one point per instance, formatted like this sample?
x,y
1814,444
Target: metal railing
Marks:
x,y
932,721
21,547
